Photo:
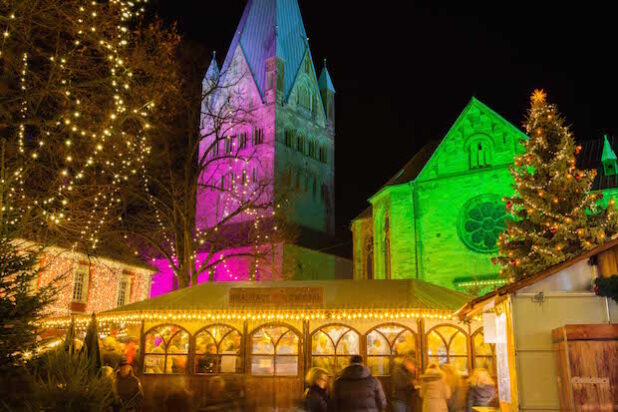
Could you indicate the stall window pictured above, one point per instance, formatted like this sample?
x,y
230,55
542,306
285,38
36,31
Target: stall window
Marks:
x,y
385,344
274,351
448,344
167,350
332,346
483,354
218,350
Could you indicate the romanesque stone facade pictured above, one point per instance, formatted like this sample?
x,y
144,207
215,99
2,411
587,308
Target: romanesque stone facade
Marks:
x,y
439,218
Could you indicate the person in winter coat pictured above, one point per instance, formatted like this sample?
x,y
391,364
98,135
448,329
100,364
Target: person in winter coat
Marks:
x,y
356,390
403,378
434,390
457,401
127,387
316,396
482,390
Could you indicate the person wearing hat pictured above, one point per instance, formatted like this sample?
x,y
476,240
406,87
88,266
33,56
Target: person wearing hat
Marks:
x,y
127,387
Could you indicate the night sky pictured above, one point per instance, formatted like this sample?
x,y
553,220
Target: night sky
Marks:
x,y
403,75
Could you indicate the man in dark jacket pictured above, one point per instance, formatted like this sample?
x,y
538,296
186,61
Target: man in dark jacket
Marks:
x,y
356,390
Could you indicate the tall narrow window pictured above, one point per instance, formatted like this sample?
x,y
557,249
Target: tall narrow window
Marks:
x,y
479,154
300,144
387,249
244,177
323,154
80,284
242,144
255,175
258,136
123,291
289,136
223,182
215,148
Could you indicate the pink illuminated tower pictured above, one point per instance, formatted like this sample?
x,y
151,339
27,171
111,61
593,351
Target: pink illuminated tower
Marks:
x,y
271,127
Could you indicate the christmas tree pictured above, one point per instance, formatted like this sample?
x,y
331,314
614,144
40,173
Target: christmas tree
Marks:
x,y
554,216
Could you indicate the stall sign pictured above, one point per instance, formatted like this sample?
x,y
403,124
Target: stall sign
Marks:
x,y
277,297
502,358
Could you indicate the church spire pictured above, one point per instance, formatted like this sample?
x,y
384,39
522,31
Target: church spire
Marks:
x,y
608,158
325,81
213,69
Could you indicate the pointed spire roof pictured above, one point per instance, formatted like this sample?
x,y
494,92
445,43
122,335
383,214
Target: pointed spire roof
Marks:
x,y
270,28
213,69
325,81
608,152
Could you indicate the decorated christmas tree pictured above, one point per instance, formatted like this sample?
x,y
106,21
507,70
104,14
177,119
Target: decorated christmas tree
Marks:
x,y
554,216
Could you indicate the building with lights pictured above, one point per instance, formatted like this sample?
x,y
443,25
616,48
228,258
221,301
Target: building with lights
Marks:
x,y
263,337
285,138
438,219
87,283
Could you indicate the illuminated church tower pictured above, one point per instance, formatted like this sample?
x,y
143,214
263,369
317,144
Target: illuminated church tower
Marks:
x,y
286,137
291,129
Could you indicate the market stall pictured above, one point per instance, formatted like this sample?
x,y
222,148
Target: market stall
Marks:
x,y
554,337
261,337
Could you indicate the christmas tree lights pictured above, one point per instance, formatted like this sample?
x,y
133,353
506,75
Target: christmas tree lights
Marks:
x,y
553,214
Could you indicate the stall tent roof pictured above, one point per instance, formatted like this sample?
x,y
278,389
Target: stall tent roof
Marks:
x,y
338,294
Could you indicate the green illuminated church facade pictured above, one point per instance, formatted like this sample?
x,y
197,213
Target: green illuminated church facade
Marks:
x,y
438,219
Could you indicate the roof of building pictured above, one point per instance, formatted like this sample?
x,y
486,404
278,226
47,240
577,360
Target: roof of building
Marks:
x,y
591,156
338,294
325,81
271,28
409,172
529,280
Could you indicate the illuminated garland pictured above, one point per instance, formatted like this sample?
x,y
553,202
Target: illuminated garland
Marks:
x,y
260,315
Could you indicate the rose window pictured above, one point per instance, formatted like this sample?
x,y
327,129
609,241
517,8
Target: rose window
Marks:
x,y
481,222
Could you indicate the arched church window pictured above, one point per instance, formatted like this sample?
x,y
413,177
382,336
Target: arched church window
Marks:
x,y
479,154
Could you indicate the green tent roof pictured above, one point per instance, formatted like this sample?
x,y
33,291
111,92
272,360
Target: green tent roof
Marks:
x,y
338,294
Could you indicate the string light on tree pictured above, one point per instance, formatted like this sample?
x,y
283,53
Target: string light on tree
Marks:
x,y
554,216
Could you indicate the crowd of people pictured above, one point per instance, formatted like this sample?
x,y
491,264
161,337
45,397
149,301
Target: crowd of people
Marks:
x,y
438,389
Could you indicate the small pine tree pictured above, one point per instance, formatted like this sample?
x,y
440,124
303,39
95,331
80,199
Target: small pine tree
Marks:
x,y
21,305
554,215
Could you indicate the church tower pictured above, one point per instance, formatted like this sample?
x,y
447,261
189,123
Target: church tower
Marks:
x,y
292,113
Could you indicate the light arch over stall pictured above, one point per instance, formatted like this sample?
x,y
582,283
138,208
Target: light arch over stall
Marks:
x,y
274,350
166,349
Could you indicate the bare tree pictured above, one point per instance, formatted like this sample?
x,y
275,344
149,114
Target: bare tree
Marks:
x,y
75,98
203,203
